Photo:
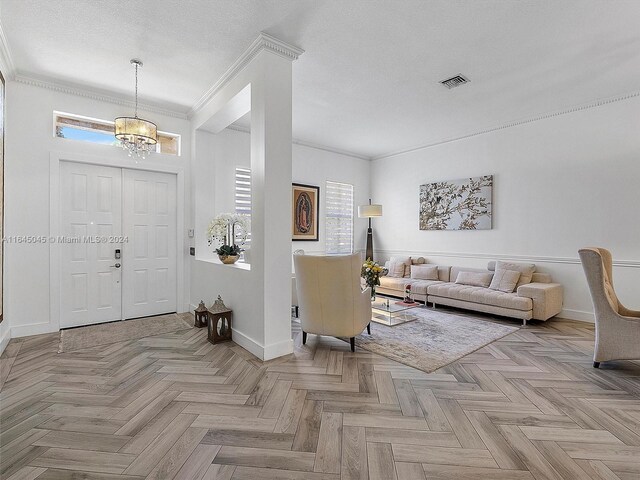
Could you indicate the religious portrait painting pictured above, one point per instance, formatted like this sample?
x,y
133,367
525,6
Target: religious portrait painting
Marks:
x,y
305,212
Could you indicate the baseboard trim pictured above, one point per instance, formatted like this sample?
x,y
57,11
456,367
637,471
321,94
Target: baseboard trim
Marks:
x,y
279,349
248,344
268,352
32,329
579,315
4,341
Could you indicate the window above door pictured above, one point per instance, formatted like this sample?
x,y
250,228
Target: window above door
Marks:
x,y
93,130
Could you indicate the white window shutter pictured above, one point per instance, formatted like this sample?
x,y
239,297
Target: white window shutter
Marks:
x,y
243,196
339,218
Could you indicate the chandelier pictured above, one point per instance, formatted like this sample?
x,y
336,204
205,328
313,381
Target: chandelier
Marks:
x,y
137,136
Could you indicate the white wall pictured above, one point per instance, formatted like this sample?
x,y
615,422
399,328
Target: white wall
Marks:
x,y
29,143
559,184
216,156
231,148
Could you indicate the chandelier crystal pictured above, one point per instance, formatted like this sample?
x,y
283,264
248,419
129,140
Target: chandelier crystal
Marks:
x,y
138,136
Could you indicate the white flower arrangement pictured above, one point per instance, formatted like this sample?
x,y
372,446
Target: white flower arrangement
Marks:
x,y
219,230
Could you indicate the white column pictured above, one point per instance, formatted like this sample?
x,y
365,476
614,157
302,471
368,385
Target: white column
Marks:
x,y
260,81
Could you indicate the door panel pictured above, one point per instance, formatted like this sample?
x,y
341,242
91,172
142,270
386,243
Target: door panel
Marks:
x,y
149,256
90,200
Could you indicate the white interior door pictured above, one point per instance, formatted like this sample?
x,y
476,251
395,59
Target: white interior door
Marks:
x,y
149,255
91,222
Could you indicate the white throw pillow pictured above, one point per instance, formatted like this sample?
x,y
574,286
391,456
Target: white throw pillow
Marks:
x,y
526,270
474,279
505,280
396,269
424,272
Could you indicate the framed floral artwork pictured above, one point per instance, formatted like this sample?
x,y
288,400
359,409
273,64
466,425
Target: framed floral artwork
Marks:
x,y
305,212
463,204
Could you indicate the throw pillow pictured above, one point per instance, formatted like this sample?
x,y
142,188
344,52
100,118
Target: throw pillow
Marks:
x,y
474,279
505,280
526,270
424,272
396,269
403,259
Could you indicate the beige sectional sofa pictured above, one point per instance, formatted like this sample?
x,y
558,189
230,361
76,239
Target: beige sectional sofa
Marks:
x,y
539,299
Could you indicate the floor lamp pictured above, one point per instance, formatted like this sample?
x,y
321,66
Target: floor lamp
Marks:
x,y
369,211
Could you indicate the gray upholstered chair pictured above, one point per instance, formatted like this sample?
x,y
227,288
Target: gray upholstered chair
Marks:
x,y
617,327
329,296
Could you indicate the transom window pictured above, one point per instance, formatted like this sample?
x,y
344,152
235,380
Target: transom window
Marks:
x,y
93,130
339,218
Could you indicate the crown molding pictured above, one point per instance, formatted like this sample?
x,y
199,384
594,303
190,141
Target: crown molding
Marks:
x,y
295,141
6,60
94,94
596,103
263,42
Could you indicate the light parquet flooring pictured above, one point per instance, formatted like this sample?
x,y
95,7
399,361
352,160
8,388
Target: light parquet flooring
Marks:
x,y
528,406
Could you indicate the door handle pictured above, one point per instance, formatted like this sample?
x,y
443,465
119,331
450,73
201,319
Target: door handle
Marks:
x,y
117,265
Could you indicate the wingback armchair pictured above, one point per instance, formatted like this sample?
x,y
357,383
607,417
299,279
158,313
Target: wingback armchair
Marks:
x,y
330,299
617,327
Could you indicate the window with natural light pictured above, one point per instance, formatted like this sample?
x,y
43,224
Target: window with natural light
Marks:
x,y
339,218
93,130
243,197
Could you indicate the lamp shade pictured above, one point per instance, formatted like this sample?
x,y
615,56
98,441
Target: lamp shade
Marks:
x,y
368,211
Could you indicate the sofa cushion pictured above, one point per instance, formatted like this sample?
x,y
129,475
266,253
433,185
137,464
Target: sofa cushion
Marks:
x,y
505,280
419,287
480,295
526,270
476,279
393,283
424,272
396,269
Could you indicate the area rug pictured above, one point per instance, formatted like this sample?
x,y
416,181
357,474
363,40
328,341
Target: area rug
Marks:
x,y
114,332
432,341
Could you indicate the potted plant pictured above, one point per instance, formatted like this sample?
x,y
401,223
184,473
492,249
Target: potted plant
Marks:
x,y
371,272
227,229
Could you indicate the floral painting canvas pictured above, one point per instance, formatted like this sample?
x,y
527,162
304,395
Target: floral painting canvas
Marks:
x,y
463,204
305,212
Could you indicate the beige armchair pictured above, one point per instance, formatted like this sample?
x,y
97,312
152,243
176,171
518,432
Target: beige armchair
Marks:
x,y
617,327
329,296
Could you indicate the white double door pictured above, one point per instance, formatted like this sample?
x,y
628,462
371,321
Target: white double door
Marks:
x,y
105,211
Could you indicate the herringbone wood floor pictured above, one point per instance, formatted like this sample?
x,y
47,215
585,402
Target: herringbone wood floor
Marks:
x,y
175,406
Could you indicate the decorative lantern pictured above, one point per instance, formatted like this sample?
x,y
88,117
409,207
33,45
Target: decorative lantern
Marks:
x,y
220,317
202,316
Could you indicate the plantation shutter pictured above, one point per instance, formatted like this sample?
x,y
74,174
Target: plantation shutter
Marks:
x,y
243,195
339,218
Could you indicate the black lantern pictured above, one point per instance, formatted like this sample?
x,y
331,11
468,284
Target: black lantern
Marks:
x,y
202,316
220,317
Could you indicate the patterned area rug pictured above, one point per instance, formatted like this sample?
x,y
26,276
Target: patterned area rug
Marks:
x,y
114,332
432,341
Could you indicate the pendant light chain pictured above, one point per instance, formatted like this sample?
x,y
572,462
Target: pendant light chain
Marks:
x,y
136,112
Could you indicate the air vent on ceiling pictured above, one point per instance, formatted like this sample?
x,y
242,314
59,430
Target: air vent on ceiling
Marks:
x,y
455,81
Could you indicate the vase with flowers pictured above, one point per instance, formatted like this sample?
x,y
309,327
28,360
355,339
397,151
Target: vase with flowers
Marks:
x,y
371,272
230,232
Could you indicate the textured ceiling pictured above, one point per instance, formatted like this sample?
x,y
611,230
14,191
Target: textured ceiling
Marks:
x,y
368,80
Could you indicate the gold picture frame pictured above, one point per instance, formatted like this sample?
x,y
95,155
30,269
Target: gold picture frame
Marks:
x,y
305,212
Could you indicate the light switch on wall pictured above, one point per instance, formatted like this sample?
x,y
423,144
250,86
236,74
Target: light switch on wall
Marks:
x,y
191,233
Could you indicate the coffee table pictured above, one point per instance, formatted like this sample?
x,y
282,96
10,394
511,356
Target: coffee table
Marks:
x,y
387,311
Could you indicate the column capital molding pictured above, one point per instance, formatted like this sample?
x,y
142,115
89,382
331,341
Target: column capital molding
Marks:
x,y
264,42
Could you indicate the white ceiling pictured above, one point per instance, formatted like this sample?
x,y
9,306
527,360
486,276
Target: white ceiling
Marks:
x,y
368,80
